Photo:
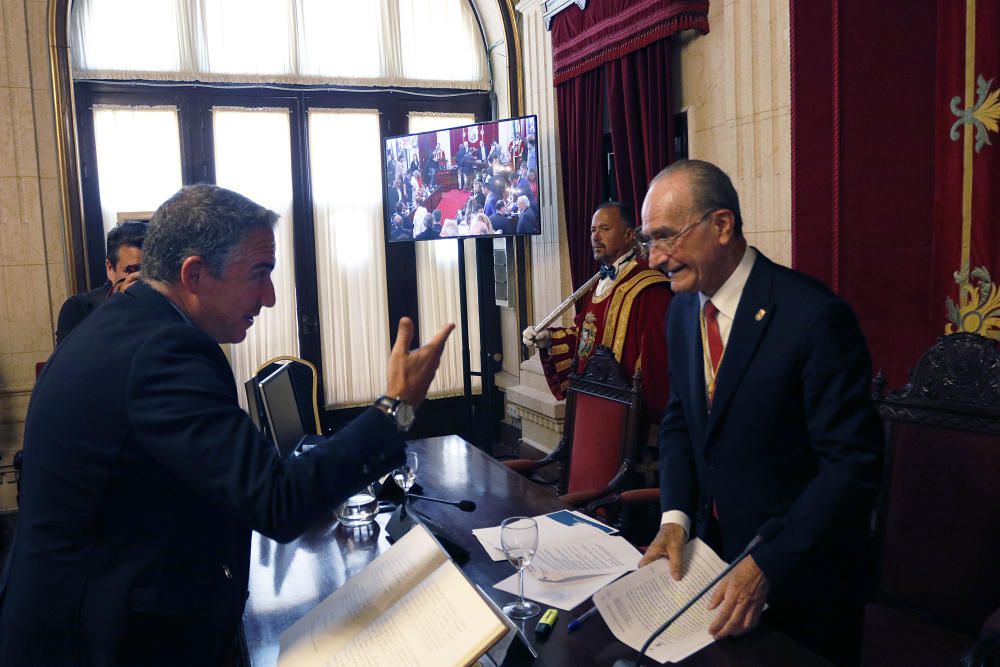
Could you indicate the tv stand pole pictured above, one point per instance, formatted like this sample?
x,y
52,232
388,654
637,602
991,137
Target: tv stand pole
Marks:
x,y
463,300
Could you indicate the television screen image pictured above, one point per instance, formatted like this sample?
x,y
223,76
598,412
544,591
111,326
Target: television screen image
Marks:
x,y
475,180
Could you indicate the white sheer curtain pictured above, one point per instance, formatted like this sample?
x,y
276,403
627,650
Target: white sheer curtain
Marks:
x,y
438,285
138,158
261,169
147,36
430,43
359,49
426,25
252,37
346,165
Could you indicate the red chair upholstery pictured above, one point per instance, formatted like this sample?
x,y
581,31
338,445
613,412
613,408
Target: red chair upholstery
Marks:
x,y
602,415
939,519
599,440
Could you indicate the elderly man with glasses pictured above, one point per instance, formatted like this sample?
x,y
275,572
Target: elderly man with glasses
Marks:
x,y
769,417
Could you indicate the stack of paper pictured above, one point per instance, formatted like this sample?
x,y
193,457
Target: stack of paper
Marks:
x,y
555,527
576,557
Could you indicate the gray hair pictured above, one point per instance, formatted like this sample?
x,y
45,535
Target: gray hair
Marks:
x,y
711,188
200,220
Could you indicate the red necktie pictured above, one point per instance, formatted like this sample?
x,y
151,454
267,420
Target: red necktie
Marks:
x,y
715,346
715,349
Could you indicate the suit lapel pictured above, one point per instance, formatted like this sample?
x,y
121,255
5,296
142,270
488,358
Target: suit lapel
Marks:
x,y
696,363
753,316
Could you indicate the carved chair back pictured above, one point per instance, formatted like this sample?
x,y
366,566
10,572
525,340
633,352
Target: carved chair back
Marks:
x,y
939,518
602,414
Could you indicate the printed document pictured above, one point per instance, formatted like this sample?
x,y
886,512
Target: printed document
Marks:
x,y
558,526
565,574
635,605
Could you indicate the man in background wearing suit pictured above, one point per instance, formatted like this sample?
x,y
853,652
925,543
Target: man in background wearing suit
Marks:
x,y
121,264
143,478
527,221
500,220
463,150
769,416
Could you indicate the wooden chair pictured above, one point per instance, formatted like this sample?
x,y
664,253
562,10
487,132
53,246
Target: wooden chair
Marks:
x,y
938,522
598,446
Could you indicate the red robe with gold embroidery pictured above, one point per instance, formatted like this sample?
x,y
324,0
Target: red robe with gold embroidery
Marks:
x,y
630,319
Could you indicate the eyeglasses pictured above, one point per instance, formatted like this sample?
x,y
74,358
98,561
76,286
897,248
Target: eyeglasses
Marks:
x,y
668,243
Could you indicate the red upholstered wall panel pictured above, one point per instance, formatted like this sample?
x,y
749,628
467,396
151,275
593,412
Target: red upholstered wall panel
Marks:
x,y
863,91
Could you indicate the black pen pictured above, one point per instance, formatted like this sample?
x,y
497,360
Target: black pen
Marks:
x,y
577,622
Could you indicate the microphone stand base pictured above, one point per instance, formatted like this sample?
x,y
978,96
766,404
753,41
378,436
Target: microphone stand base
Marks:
x,y
399,524
623,662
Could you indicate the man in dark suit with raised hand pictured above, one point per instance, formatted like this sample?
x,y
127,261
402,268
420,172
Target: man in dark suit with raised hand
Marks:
x,y
769,416
142,476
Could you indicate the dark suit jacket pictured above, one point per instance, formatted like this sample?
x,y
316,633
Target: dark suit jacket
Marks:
x,y
792,433
467,163
392,197
142,481
490,204
504,224
429,234
527,222
78,307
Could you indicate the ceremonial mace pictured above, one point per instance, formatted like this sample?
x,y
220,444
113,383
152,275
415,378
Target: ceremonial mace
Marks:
x,y
567,302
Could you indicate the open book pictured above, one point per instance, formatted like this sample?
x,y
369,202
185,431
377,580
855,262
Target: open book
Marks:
x,y
410,606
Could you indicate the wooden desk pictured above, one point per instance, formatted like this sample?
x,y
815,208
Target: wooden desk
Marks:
x,y
446,179
286,581
433,200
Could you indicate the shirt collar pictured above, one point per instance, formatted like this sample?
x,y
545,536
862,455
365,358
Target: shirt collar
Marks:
x,y
727,297
184,316
623,260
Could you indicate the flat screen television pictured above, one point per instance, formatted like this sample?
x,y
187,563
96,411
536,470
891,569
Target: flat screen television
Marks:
x,y
478,180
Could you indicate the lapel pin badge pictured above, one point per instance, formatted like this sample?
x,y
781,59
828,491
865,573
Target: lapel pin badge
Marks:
x,y
760,314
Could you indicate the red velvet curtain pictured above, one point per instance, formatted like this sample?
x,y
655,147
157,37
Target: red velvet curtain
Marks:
x,y
966,233
583,40
863,165
641,118
618,48
580,131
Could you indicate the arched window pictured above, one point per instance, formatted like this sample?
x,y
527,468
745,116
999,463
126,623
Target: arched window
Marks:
x,y
283,101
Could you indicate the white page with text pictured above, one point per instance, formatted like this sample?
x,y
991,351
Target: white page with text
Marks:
x,y
635,605
392,612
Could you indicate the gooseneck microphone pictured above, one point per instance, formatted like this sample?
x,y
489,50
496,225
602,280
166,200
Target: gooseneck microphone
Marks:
x,y
767,532
464,505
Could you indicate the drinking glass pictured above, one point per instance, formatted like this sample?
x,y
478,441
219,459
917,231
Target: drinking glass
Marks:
x,y
519,540
359,510
406,474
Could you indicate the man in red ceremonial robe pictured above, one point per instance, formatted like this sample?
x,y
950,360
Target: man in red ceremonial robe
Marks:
x,y
625,311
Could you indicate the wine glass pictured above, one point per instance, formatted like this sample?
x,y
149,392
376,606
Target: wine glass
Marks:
x,y
406,474
519,540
